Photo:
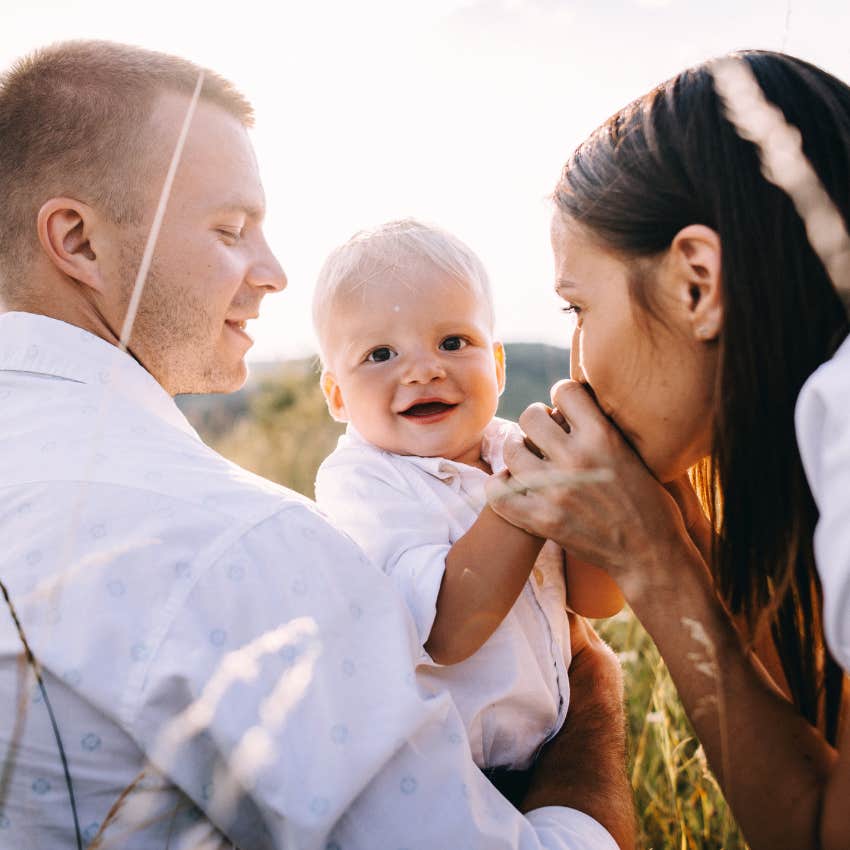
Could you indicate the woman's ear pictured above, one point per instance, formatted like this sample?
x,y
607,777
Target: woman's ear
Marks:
x,y
333,396
64,231
696,262
499,357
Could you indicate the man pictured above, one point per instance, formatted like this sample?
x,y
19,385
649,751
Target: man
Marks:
x,y
222,665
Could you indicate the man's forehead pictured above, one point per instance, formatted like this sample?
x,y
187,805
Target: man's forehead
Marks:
x,y
218,168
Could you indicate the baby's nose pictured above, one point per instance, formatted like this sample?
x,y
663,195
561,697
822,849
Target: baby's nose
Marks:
x,y
423,370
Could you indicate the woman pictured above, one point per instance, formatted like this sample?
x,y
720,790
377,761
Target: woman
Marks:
x,y
702,311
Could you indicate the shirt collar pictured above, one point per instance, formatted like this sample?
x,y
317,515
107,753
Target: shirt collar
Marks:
x,y
45,346
452,472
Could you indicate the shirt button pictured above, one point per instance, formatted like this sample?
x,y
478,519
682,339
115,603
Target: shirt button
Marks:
x,y
538,576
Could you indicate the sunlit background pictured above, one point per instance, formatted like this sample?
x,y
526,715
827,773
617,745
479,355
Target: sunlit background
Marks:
x,y
460,112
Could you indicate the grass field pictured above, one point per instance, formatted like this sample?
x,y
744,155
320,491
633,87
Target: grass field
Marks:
x,y
679,804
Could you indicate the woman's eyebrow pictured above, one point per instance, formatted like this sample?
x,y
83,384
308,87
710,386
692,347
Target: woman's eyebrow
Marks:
x,y
564,283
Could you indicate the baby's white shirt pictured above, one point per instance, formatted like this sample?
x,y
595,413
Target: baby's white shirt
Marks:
x,y
406,512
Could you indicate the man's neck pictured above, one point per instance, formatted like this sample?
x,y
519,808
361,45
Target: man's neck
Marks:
x,y
75,311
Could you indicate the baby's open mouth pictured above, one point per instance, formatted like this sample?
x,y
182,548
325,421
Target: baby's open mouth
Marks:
x,y
427,408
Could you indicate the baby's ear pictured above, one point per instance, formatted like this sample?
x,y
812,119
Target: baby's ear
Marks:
x,y
333,396
499,357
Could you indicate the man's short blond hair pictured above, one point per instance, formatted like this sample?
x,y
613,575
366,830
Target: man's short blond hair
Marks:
x,y
395,250
73,122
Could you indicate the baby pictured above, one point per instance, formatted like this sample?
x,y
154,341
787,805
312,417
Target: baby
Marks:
x,y
404,317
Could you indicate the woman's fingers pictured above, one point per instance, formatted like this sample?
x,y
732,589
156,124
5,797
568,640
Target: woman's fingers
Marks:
x,y
576,434
576,404
546,434
519,457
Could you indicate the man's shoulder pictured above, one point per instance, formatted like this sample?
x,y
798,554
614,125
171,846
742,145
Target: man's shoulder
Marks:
x,y
183,468
73,440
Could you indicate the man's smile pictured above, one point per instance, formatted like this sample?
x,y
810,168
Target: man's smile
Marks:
x,y
238,326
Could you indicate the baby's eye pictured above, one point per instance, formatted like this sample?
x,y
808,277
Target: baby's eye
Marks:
x,y
380,355
453,343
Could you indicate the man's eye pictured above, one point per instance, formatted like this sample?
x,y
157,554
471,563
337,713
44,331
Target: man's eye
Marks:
x,y
232,233
380,355
453,343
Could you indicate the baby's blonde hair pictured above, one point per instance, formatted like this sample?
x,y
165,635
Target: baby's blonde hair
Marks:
x,y
396,248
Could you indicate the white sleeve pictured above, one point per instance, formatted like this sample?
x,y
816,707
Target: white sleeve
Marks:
x,y
823,434
294,676
404,535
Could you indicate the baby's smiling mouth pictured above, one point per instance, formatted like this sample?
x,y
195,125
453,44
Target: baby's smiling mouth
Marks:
x,y
429,407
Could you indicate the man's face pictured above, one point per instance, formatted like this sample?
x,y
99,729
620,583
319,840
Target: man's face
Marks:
x,y
211,267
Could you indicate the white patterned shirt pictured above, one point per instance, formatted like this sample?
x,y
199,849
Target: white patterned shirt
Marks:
x,y
219,659
823,435
406,512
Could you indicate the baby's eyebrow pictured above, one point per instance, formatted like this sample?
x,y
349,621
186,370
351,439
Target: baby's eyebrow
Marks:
x,y
357,344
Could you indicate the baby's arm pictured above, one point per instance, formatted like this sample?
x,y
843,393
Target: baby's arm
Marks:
x,y
591,592
485,573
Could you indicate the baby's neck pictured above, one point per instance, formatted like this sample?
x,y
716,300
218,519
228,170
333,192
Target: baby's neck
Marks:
x,y
472,457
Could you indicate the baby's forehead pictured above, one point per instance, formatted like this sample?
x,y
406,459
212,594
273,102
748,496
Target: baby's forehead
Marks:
x,y
409,281
441,303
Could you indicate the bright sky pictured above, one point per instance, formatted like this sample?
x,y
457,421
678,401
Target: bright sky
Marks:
x,y
460,112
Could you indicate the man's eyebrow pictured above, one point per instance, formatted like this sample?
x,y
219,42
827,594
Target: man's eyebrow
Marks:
x,y
243,207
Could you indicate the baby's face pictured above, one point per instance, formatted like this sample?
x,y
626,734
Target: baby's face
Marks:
x,y
413,366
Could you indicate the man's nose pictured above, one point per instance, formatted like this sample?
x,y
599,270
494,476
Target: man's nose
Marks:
x,y
266,272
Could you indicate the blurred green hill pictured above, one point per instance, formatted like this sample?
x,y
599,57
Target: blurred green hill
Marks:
x,y
278,425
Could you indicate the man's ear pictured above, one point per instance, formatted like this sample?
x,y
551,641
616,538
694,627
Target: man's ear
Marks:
x,y
499,357
64,231
696,262
333,396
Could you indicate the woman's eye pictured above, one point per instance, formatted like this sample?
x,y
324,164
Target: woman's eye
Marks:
x,y
453,343
380,355
571,308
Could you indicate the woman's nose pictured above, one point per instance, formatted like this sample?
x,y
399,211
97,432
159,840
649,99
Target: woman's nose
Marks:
x,y
576,372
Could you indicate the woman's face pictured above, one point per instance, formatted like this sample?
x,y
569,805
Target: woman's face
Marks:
x,y
649,374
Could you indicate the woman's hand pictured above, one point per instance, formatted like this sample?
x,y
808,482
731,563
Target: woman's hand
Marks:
x,y
593,495
589,492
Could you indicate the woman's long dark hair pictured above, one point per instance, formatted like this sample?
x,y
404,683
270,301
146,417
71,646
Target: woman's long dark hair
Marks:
x,y
671,159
